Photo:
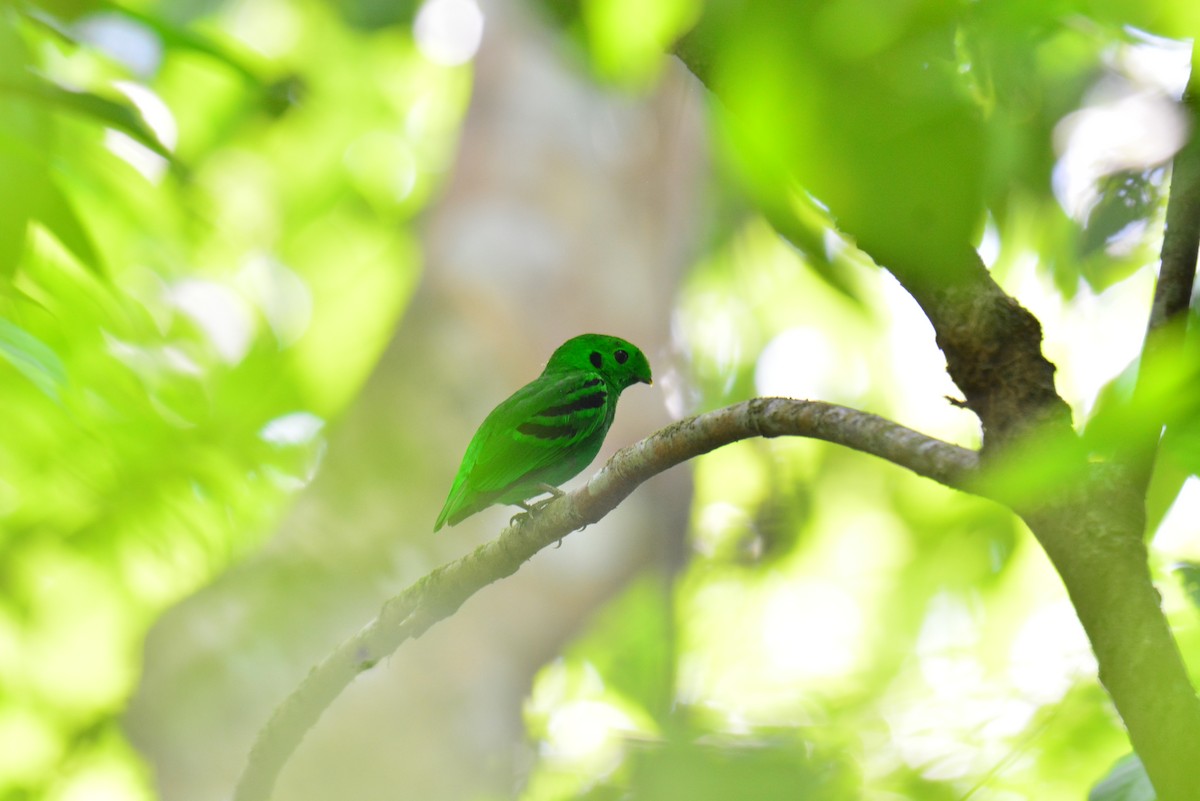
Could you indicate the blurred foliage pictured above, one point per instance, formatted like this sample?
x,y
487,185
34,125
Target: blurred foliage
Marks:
x,y
181,187
211,245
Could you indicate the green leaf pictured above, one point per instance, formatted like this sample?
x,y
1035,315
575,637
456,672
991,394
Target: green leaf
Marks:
x,y
13,222
632,54
1182,441
33,358
1126,781
24,129
54,210
23,178
875,124
110,113
39,199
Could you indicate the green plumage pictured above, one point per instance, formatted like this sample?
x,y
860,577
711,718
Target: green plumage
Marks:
x,y
549,430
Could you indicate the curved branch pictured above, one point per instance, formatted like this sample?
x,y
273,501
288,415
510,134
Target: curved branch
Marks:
x,y
442,592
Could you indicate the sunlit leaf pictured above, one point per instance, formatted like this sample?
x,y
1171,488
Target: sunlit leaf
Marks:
x,y
110,113
1170,473
1163,389
632,54
56,212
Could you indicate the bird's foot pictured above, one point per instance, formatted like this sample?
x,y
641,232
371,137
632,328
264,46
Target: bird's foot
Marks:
x,y
523,516
536,506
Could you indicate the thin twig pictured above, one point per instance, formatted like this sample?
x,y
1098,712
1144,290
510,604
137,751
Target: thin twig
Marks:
x,y
1181,237
1165,328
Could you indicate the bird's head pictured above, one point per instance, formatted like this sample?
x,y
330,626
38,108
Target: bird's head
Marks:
x,y
621,363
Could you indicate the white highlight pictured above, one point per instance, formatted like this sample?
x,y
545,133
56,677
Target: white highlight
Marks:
x,y
220,312
1050,654
281,294
1132,120
448,32
151,165
812,630
297,428
153,110
804,363
587,729
1092,338
1135,131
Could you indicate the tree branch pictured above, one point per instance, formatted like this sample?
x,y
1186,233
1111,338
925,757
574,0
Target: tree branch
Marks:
x,y
993,348
1093,536
442,592
1166,326
1181,238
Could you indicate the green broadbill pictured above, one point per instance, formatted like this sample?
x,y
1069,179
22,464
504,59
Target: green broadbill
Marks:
x,y
549,430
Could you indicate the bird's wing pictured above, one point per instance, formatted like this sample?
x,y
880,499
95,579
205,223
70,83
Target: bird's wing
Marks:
x,y
537,426
538,434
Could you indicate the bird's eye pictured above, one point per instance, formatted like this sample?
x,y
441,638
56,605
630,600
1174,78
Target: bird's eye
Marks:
x,y
621,357
596,359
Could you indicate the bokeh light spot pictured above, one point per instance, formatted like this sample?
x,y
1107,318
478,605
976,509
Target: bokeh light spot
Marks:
x,y
448,32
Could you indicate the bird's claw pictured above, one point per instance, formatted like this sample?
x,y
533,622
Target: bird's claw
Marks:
x,y
536,506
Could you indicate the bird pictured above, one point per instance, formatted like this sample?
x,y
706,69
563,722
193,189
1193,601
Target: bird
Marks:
x,y
547,431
